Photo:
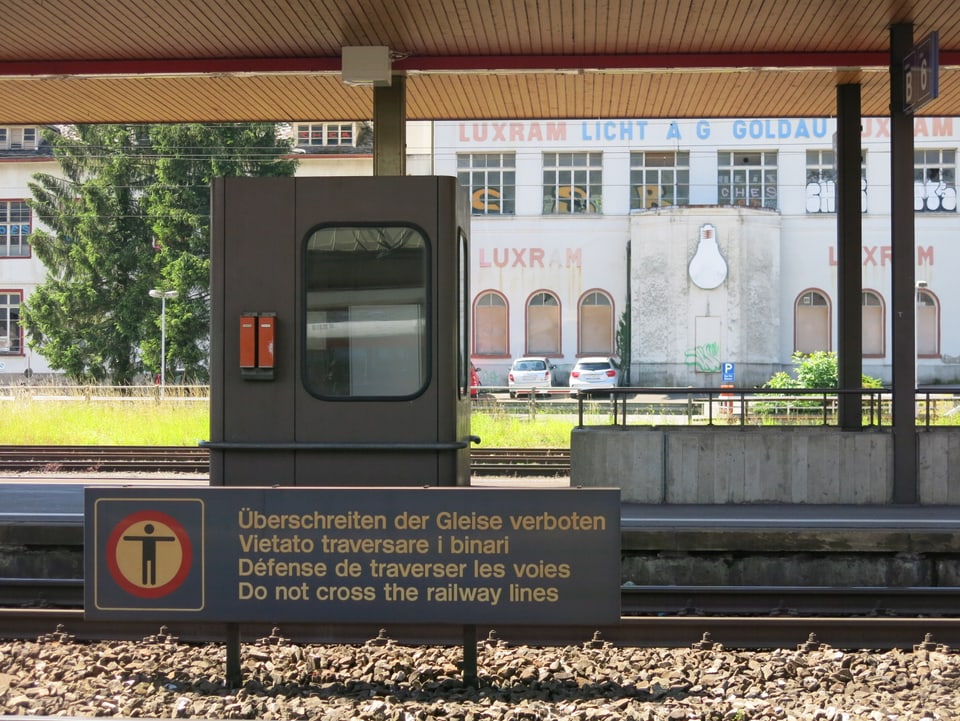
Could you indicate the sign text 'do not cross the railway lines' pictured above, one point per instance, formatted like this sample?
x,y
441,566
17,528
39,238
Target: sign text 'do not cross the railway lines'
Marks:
x,y
447,555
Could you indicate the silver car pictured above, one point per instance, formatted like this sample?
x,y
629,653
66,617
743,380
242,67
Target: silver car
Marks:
x,y
529,374
594,373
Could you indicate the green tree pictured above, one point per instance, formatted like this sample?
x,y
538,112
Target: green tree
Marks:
x,y
188,158
90,314
131,213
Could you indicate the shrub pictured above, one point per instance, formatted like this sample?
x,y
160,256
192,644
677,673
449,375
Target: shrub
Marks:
x,y
816,370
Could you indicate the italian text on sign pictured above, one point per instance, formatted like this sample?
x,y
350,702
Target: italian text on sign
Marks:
x,y
445,555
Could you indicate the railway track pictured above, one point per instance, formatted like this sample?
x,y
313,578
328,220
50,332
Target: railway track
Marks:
x,y
498,462
660,601
742,632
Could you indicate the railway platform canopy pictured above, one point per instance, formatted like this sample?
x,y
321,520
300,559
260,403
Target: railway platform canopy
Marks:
x,y
104,61
209,60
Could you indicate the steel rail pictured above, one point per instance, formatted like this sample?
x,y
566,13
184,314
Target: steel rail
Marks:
x,y
701,632
806,601
188,459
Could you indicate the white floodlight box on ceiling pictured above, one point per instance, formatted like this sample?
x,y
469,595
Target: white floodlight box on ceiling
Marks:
x,y
366,65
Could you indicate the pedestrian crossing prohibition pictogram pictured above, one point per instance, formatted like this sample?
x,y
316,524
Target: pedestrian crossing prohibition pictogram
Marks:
x,y
144,552
149,554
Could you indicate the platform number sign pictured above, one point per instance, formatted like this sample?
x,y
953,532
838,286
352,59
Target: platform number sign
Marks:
x,y
921,71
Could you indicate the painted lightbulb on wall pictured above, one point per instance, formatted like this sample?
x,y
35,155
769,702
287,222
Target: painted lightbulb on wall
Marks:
x,y
707,268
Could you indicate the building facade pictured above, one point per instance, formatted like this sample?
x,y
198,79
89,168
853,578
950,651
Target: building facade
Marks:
x,y
679,246
686,245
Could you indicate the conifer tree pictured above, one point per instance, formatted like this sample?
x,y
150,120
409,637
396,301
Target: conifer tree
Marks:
x,y
130,212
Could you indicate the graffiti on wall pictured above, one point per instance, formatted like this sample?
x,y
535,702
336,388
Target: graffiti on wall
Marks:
x,y
933,194
704,358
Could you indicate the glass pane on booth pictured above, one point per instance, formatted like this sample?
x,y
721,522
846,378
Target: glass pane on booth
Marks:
x,y
365,295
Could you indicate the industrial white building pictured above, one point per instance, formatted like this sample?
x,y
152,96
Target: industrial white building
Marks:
x,y
709,241
714,240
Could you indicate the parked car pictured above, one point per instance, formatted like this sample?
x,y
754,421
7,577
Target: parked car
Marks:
x,y
528,375
594,373
474,381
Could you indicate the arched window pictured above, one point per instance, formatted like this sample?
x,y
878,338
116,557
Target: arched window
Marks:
x,y
811,317
872,323
928,325
543,324
596,324
491,333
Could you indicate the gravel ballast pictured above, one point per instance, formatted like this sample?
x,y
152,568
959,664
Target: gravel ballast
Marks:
x,y
162,678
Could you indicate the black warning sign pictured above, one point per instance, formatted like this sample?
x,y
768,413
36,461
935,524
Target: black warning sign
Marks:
x,y
256,554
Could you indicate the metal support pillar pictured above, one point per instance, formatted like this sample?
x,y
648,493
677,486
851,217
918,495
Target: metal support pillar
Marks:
x,y
849,251
471,677
234,668
903,273
390,128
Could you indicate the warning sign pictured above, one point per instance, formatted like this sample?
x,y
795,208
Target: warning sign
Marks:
x,y
452,555
151,554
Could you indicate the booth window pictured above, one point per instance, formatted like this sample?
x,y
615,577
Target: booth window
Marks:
x,y
365,297
463,320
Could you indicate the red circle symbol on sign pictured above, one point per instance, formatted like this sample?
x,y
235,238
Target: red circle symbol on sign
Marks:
x,y
149,554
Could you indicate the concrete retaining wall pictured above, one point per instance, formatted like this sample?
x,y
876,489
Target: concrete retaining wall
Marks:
x,y
695,464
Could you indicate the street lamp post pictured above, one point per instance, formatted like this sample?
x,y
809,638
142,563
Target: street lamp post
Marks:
x,y
163,295
917,296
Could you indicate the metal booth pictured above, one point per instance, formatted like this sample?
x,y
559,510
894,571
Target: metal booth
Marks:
x,y
340,343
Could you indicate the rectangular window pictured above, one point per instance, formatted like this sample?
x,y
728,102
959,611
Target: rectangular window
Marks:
x,y
572,183
659,179
18,138
14,229
491,179
821,188
10,323
319,134
309,134
935,181
339,133
365,295
747,178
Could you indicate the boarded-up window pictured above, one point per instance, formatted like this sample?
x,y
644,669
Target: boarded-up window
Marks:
x,y
928,325
596,324
812,322
872,324
543,325
491,325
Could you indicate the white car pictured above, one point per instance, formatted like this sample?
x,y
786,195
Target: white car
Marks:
x,y
594,373
527,374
